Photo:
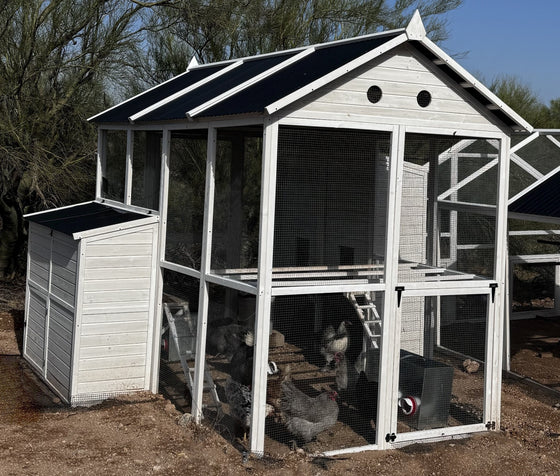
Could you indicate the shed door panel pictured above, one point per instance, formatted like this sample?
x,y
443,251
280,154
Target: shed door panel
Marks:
x,y
59,356
35,332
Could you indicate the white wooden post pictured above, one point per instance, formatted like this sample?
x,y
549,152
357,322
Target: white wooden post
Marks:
x,y
264,285
128,167
494,333
158,257
390,351
101,158
205,264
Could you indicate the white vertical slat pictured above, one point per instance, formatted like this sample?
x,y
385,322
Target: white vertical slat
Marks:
x,y
101,134
156,289
205,263
76,332
507,311
128,167
493,383
264,285
390,351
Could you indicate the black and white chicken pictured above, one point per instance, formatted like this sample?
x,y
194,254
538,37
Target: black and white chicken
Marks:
x,y
238,384
225,339
334,341
304,416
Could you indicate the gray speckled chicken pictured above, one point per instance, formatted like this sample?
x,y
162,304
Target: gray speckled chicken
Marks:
x,y
332,342
304,416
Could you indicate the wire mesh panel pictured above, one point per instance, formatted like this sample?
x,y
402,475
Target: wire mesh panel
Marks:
x,y
331,197
185,208
441,239
442,384
180,300
113,165
146,169
326,348
543,153
237,198
229,362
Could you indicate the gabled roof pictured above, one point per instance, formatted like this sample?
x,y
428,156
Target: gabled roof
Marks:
x,y
267,83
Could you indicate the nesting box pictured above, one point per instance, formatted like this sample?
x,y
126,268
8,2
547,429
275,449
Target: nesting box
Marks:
x,y
89,300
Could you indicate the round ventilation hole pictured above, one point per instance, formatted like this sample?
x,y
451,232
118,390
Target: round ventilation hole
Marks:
x,y
374,94
424,98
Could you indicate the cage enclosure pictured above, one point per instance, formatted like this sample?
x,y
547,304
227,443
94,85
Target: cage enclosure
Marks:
x,y
332,236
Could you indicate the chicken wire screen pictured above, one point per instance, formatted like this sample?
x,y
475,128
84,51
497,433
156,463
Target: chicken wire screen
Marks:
x,y
441,370
322,344
438,172
179,303
331,196
113,165
146,169
237,198
185,203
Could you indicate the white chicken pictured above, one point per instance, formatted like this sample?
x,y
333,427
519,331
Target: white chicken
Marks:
x,y
334,341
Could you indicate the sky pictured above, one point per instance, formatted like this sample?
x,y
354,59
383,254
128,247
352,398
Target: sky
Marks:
x,y
518,38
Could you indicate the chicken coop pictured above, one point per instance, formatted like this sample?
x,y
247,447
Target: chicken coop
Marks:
x,y
316,210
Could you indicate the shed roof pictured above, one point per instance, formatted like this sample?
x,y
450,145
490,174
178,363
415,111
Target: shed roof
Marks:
x,y
83,217
265,83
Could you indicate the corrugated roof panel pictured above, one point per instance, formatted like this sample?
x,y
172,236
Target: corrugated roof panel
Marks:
x,y
87,216
179,107
295,76
123,111
543,200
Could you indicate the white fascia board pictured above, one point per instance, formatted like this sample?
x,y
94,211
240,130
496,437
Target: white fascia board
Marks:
x,y
27,215
265,74
470,79
534,185
79,235
182,92
337,73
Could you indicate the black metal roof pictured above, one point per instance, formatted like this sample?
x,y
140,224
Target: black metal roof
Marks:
x,y
122,111
324,59
543,200
287,80
86,216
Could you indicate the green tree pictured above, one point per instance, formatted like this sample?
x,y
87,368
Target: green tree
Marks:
x,y
54,57
520,97
224,29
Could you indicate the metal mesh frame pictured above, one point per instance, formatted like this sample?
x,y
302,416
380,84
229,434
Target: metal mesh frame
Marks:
x,y
114,165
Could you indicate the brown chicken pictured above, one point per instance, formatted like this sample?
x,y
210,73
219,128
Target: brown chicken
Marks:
x,y
304,416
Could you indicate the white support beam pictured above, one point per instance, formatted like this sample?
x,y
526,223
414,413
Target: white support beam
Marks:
x,y
495,326
206,255
255,79
184,91
390,339
158,291
128,167
468,179
264,285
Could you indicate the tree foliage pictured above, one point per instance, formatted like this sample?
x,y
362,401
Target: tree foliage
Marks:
x,y
54,56
218,30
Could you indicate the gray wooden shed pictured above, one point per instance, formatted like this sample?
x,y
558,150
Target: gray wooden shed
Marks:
x,y
90,288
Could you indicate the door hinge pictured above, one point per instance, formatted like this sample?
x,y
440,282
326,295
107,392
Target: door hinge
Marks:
x,y
390,437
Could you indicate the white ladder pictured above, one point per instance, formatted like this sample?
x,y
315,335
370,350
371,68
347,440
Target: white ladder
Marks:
x,y
367,312
183,331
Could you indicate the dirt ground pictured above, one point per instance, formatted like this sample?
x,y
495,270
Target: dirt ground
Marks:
x,y
145,434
